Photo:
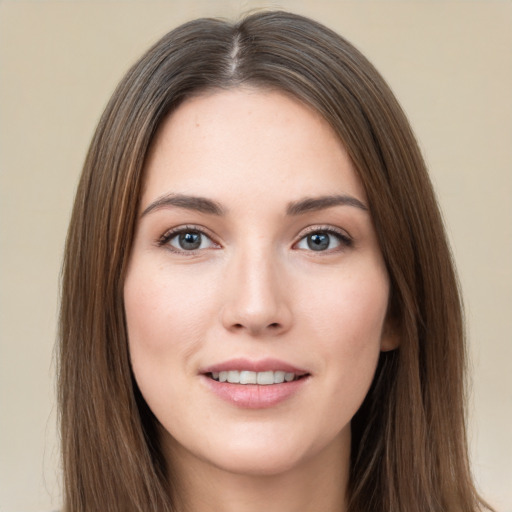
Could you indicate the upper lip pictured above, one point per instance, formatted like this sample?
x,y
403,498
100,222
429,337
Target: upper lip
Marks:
x,y
261,365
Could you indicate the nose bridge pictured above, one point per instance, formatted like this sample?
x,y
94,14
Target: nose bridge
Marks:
x,y
256,301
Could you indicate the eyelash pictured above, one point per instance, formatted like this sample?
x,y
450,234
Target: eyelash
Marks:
x,y
342,237
344,240
172,233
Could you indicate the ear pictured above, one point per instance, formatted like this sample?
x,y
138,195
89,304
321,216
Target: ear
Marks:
x,y
390,338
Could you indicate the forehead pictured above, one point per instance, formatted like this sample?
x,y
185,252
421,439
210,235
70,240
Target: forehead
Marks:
x,y
247,140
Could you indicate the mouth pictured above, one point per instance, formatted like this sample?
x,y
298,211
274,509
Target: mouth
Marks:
x,y
255,384
263,378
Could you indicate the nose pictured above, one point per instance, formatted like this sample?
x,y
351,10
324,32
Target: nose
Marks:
x,y
256,296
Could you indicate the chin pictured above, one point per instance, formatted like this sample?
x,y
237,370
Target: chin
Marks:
x,y
259,451
250,463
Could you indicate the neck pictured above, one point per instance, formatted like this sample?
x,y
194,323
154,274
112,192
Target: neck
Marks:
x,y
315,485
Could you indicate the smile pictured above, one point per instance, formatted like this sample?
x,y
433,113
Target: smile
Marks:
x,y
255,384
264,378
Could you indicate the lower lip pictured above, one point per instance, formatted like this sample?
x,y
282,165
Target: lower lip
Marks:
x,y
254,396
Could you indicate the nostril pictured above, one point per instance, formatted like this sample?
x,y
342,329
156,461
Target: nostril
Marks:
x,y
274,326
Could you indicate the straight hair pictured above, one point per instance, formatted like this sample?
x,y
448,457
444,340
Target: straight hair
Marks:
x,y
409,449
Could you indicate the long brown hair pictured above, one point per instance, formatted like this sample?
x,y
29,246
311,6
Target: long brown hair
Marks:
x,y
409,448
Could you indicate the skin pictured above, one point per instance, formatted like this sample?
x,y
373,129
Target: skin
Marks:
x,y
254,289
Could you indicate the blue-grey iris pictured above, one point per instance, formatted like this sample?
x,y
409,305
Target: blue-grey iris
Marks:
x,y
318,241
190,241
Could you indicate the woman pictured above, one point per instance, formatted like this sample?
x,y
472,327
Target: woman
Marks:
x,y
259,307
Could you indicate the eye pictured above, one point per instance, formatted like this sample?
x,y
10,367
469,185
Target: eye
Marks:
x,y
323,240
187,240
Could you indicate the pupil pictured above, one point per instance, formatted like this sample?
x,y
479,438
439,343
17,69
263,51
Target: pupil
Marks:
x,y
318,241
190,241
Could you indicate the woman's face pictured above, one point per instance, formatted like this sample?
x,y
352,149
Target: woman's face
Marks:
x,y
255,260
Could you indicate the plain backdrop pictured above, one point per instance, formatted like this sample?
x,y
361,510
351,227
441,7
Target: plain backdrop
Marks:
x,y
449,63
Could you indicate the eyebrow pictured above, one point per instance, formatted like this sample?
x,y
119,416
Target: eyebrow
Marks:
x,y
196,203
208,206
310,204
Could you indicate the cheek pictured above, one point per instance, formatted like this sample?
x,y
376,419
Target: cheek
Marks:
x,y
347,320
163,311
348,311
165,319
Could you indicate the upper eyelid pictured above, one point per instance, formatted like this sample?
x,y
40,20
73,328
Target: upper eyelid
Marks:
x,y
323,228
188,227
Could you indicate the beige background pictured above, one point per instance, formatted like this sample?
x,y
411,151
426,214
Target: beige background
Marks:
x,y
450,64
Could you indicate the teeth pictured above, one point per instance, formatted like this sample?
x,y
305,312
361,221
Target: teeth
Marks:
x,y
234,376
248,377
279,377
265,378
